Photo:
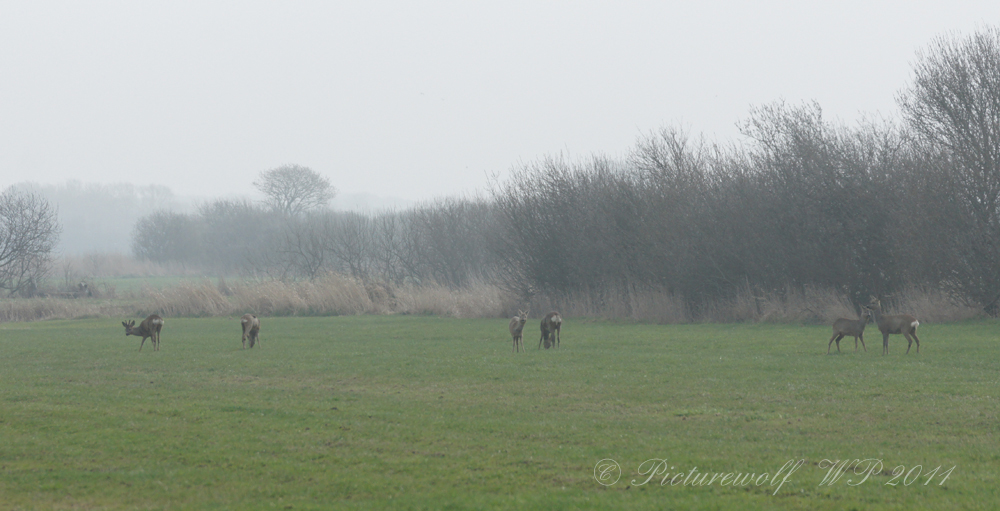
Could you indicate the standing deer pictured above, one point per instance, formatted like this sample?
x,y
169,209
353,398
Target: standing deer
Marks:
x,y
516,327
551,325
251,327
897,324
853,327
150,327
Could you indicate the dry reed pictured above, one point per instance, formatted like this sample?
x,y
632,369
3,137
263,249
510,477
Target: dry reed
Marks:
x,y
334,294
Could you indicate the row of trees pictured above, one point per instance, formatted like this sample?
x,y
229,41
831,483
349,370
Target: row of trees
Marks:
x,y
801,202
444,243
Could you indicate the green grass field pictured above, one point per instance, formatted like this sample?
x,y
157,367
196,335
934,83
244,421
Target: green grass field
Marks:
x,y
404,412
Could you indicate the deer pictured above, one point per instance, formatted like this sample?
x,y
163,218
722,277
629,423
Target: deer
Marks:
x,y
516,327
895,324
150,327
251,329
853,327
551,325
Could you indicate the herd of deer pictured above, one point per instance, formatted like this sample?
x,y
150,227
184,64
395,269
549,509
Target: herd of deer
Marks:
x,y
896,324
151,326
888,324
551,327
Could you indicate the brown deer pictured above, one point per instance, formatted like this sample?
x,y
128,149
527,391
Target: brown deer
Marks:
x,y
150,327
853,327
896,324
251,328
551,325
516,327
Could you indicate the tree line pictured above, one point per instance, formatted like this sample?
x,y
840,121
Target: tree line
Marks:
x,y
799,202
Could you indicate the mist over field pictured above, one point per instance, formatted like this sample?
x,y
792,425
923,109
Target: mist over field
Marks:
x,y
99,218
802,219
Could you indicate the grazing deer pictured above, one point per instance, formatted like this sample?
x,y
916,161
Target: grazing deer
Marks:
x,y
897,324
853,327
516,327
150,327
551,324
251,328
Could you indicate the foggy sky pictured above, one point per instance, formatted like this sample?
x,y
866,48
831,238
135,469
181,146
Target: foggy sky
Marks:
x,y
421,99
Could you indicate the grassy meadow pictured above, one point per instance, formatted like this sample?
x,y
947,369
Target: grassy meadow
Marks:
x,y
423,412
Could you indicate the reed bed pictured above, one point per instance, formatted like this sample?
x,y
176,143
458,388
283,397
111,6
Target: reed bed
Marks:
x,y
339,295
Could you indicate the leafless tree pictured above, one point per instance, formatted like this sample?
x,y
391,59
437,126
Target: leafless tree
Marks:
x,y
953,106
293,189
28,233
165,236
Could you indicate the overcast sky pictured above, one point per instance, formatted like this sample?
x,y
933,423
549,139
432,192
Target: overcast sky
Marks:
x,y
422,99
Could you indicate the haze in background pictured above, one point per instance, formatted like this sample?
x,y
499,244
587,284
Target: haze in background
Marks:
x,y
420,99
99,218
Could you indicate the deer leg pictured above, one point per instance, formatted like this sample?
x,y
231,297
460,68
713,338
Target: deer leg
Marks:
x,y
862,336
914,334
834,338
885,343
141,343
558,337
540,339
909,342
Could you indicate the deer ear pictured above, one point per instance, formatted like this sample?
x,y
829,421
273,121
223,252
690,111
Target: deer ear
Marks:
x,y
124,325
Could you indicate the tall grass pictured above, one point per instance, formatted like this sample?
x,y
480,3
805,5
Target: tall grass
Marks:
x,y
808,306
338,295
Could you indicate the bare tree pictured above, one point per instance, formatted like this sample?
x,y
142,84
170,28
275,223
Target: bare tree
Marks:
x,y
28,233
166,236
304,244
293,189
953,106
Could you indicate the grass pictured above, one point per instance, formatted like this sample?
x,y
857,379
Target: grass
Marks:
x,y
419,412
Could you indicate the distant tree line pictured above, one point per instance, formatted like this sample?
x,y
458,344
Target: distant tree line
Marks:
x,y
801,202
292,236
